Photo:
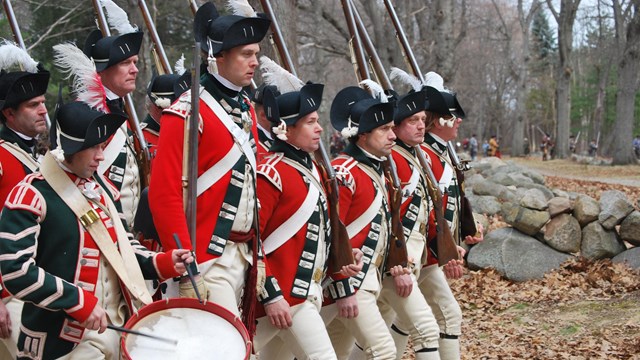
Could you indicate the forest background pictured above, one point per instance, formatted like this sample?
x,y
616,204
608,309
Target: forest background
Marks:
x,y
520,68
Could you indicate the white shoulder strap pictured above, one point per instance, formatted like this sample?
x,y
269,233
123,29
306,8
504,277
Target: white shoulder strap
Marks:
x,y
214,173
123,262
21,155
289,228
241,137
113,149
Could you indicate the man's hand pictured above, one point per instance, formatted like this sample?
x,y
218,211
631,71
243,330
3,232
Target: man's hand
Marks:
x,y
453,269
5,322
279,313
97,320
186,288
179,257
353,269
347,307
403,284
471,240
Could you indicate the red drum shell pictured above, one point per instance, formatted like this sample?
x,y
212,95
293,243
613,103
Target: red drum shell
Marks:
x,y
172,303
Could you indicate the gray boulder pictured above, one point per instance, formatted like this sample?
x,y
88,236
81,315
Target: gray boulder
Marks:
x,y
526,220
559,205
586,209
614,207
630,228
473,179
560,193
492,189
600,243
534,199
484,204
563,233
631,257
509,178
548,194
517,256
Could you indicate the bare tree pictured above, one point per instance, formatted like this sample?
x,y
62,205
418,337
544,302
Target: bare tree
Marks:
x,y
565,19
627,25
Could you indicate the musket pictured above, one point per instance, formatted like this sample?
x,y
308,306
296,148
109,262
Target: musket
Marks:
x,y
17,35
193,6
447,249
410,59
15,29
340,253
397,250
159,56
444,237
190,149
139,143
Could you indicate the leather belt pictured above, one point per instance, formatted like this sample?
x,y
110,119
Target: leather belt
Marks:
x,y
240,237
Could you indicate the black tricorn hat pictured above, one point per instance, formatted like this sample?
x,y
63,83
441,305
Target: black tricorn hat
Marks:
x,y
443,102
292,106
258,95
409,104
169,87
226,32
354,108
110,50
19,86
76,126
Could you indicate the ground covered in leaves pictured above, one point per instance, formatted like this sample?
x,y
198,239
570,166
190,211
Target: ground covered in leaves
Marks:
x,y
584,310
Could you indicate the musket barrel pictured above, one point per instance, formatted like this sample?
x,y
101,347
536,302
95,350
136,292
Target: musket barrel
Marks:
x,y
157,43
17,35
192,174
402,38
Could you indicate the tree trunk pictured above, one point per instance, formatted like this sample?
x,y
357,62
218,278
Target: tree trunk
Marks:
x,y
628,68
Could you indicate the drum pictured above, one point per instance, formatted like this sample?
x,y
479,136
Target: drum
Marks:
x,y
203,331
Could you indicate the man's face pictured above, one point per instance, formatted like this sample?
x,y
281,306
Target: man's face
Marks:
x,y
305,134
411,129
238,64
121,77
379,141
29,118
84,163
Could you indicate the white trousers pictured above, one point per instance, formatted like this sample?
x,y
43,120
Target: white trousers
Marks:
x,y
307,338
9,346
226,277
435,288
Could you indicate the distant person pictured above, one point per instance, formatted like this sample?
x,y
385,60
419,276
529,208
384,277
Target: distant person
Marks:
x,y
493,146
526,147
572,144
473,147
636,146
593,147
485,148
337,144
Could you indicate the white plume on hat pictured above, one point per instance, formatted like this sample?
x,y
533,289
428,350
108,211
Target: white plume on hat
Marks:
x,y
117,18
241,8
274,74
87,84
405,78
434,80
13,55
179,68
376,89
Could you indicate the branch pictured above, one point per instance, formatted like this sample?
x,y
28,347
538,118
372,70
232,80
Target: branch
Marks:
x,y
61,20
553,11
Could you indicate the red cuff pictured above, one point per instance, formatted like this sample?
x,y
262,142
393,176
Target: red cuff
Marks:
x,y
85,306
164,265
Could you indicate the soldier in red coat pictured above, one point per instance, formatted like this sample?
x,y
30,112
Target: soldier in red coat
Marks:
x,y
293,226
23,117
226,246
411,309
367,123
444,116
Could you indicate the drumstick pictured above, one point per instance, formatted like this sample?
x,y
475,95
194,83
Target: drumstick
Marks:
x,y
189,272
135,332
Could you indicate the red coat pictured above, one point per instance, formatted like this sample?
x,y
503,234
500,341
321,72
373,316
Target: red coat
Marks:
x,y
165,190
437,167
12,171
281,191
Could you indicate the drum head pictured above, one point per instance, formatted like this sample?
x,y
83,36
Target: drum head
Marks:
x,y
203,332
